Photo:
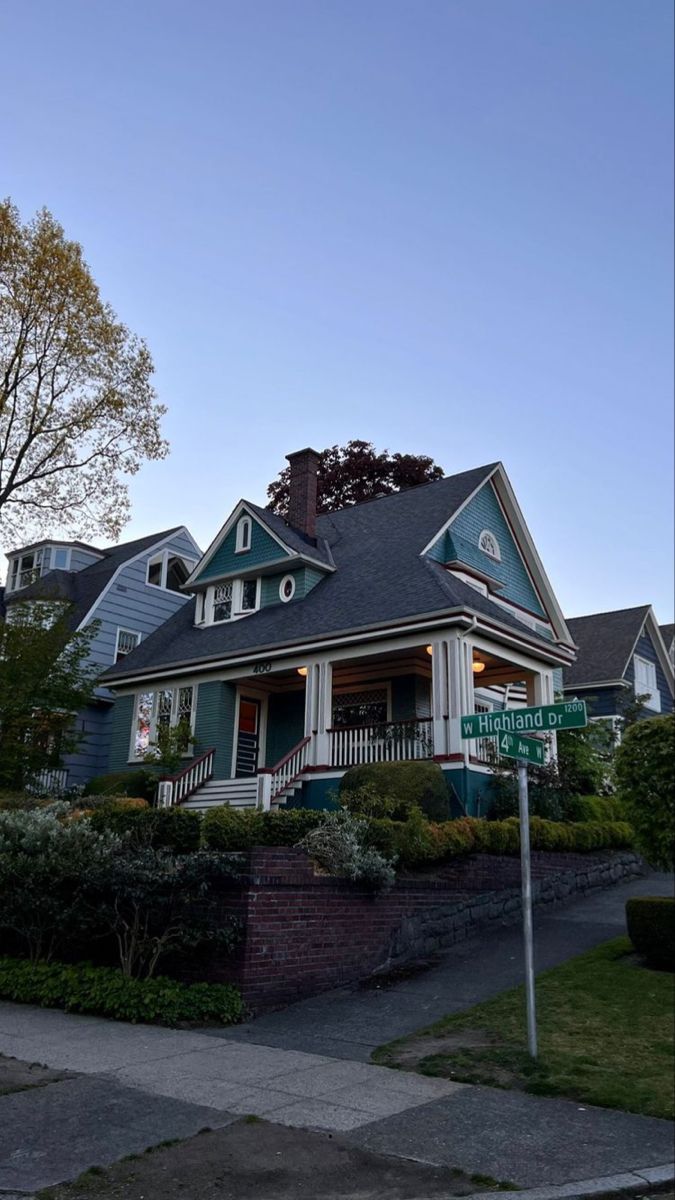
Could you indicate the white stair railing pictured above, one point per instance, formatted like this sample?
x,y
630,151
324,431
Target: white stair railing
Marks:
x,y
173,789
273,781
388,741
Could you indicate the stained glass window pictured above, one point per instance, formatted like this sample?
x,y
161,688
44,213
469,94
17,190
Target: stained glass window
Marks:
x,y
222,602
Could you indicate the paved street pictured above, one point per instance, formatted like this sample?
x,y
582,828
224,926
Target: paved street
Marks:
x,y
134,1086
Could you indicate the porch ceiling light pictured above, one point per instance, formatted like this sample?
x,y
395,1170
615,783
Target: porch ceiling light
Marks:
x,y
478,666
429,649
302,670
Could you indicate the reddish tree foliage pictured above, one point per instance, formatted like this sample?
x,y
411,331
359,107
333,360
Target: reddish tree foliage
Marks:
x,y
356,472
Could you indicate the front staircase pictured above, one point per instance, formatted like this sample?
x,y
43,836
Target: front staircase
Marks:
x,y
195,788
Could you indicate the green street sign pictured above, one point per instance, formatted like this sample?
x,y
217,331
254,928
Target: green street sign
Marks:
x,y
545,718
529,749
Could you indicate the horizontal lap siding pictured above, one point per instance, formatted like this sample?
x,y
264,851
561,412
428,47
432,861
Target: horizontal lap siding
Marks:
x,y
645,649
214,724
120,733
79,559
91,756
285,724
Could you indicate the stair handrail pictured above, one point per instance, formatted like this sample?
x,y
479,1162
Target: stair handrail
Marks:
x,y
173,789
287,770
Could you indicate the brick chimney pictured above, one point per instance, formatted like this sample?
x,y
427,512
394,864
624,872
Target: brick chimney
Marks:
x,y
303,487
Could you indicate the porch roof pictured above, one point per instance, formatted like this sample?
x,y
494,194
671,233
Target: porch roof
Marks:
x,y
381,578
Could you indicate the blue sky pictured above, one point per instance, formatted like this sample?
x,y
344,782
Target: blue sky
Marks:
x,y
442,226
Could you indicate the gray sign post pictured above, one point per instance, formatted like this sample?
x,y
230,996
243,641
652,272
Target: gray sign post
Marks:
x,y
501,724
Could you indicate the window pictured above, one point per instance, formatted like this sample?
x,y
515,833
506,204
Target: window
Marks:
x,y
25,569
60,558
646,683
127,640
168,571
287,588
237,598
166,708
489,545
366,707
243,541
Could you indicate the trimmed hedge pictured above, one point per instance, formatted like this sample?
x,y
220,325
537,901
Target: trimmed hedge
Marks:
x,y
595,808
415,842
176,829
141,783
651,929
411,784
108,993
233,829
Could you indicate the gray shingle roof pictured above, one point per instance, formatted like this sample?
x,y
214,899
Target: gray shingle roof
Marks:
x,y
82,588
605,642
380,578
293,538
667,633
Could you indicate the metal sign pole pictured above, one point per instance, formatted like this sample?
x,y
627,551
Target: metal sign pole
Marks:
x,y
527,907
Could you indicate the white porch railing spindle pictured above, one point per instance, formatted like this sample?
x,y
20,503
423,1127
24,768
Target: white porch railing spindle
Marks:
x,y
394,741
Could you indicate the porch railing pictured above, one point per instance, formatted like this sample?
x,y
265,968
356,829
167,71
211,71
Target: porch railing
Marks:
x,y
388,741
173,789
52,781
273,781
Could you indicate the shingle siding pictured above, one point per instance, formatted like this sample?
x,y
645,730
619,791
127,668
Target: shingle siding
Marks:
x,y
264,549
461,542
305,579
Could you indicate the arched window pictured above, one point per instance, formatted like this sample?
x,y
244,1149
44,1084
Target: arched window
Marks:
x,y
489,545
243,535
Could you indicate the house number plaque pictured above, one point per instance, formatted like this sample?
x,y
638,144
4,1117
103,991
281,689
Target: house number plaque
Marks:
x,y
262,668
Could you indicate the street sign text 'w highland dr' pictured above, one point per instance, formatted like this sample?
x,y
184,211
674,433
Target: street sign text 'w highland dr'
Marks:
x,y
545,718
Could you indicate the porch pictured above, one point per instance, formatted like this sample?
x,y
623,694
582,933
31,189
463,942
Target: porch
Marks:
x,y
290,733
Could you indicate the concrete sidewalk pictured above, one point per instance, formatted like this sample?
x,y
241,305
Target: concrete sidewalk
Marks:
x,y
135,1086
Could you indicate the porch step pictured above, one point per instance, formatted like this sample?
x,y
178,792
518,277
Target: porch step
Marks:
x,y
237,793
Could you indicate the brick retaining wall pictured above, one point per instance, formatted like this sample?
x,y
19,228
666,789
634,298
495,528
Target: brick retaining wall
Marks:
x,y
303,933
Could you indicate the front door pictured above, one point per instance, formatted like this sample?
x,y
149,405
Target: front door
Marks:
x,y
248,737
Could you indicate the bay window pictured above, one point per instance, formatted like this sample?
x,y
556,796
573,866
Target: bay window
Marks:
x,y
164,708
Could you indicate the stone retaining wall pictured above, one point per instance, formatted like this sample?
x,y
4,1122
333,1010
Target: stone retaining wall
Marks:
x,y
303,933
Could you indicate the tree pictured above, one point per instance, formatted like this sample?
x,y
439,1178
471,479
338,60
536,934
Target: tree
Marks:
x,y
77,408
646,785
355,472
45,677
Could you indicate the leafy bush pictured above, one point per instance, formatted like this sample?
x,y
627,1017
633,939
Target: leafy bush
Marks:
x,y
651,929
367,801
409,784
141,783
108,993
339,844
45,861
235,830
176,829
646,785
595,808
21,801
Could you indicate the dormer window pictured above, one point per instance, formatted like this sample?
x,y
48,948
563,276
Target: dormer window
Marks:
x,y
60,560
488,543
243,542
168,571
25,569
228,601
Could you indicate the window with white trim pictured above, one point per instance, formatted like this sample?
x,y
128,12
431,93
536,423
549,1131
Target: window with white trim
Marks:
x,y
236,598
646,683
25,569
488,543
287,589
127,640
60,559
168,571
167,707
243,539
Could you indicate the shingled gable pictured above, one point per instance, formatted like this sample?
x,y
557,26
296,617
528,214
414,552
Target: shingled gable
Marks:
x,y
606,643
380,579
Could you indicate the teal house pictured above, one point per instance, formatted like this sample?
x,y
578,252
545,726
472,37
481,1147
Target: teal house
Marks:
x,y
323,641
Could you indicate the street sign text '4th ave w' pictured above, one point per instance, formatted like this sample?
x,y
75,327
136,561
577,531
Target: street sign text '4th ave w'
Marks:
x,y
513,746
545,718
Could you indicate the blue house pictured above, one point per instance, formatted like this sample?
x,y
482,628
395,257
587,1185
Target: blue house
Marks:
x,y
356,636
130,590
620,655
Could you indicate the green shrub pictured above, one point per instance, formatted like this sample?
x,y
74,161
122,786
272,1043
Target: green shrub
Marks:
x,y
646,784
410,784
176,829
340,845
595,808
108,993
141,783
651,929
367,801
231,829
21,801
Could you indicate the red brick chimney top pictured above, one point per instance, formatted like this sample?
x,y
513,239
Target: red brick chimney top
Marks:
x,y
303,484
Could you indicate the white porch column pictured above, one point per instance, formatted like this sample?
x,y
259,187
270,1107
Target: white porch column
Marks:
x,y
458,693
322,713
540,691
440,695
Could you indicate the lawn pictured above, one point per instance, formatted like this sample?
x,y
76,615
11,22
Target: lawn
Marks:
x,y
605,1026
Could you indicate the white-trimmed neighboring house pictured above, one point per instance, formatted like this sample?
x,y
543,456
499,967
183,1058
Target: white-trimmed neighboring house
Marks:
x,y
129,590
330,640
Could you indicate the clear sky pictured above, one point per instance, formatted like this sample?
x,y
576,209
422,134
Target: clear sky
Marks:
x,y
441,225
